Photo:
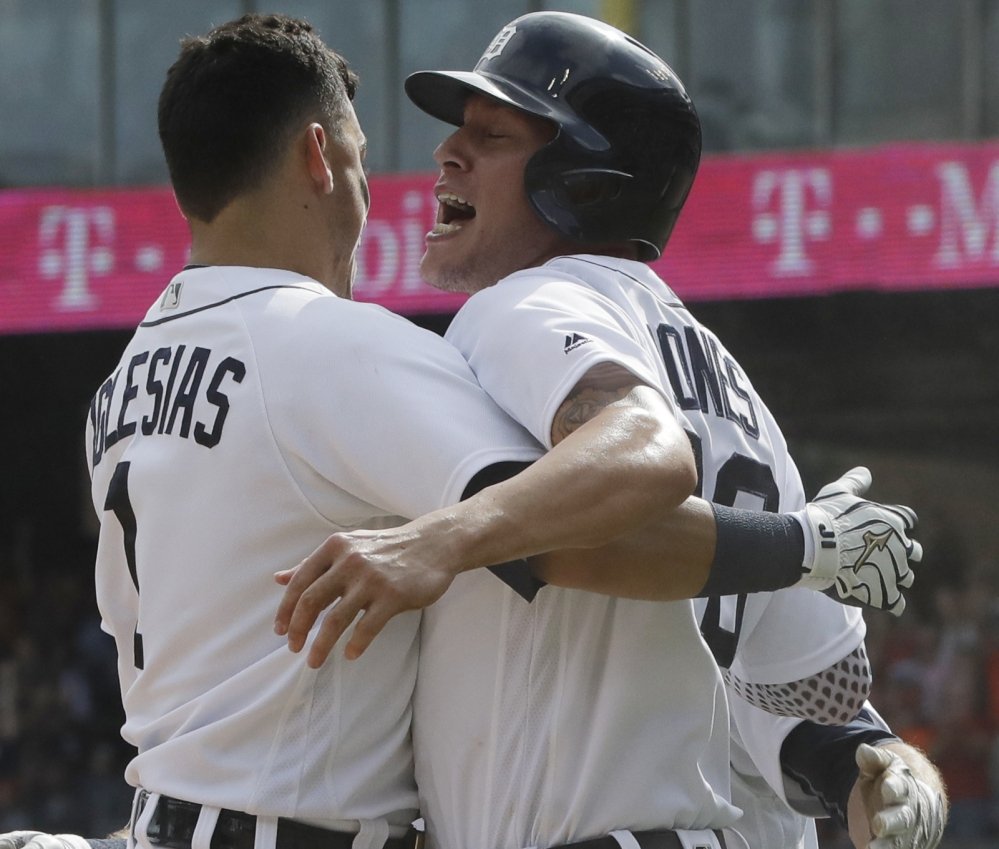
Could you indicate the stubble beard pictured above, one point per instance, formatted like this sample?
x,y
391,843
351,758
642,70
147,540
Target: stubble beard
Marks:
x,y
449,278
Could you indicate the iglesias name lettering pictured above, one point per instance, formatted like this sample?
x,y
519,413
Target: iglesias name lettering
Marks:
x,y
170,391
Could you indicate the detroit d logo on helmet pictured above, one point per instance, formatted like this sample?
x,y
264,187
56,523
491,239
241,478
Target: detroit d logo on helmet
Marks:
x,y
498,43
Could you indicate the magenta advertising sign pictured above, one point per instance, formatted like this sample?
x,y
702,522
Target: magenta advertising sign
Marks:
x,y
904,217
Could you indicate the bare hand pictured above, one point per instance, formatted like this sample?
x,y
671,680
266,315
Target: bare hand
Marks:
x,y
376,574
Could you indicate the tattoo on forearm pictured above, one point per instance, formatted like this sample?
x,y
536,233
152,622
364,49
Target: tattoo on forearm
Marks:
x,y
603,385
578,409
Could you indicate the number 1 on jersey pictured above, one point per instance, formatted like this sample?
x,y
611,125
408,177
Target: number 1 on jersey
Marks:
x,y
118,502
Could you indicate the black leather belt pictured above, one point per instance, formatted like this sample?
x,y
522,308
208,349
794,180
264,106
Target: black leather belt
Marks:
x,y
173,822
658,839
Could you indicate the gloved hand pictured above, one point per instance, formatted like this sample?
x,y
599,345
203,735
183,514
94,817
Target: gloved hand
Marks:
x,y
17,839
860,547
903,810
41,840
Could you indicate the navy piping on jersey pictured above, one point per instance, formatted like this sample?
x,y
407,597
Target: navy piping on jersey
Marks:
x,y
677,304
219,303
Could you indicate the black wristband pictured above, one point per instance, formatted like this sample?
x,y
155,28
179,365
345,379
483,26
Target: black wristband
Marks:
x,y
754,552
821,758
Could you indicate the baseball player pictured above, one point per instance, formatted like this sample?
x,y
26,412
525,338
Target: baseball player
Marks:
x,y
251,412
578,715
256,410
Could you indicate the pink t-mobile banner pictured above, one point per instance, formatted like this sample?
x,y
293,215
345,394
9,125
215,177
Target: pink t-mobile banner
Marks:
x,y
893,218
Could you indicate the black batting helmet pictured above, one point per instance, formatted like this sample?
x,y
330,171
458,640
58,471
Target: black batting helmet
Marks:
x,y
628,142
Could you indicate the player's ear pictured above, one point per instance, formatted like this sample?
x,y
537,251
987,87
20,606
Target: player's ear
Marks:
x,y
315,157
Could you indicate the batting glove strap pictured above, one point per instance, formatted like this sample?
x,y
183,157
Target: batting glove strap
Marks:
x,y
822,560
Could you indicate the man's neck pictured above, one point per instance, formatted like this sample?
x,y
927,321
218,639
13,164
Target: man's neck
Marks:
x,y
239,236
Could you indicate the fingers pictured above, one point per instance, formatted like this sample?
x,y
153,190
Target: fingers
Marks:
x,y
284,577
894,820
299,609
908,515
367,628
17,839
915,551
374,615
57,841
895,788
871,760
858,480
855,482
335,623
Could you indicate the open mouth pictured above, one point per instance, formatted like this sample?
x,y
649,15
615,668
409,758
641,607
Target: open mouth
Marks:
x,y
452,212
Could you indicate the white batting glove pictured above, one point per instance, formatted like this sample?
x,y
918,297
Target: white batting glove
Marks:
x,y
913,816
17,839
860,547
41,840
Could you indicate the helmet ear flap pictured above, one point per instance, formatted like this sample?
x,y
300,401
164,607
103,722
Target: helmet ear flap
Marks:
x,y
581,187
583,201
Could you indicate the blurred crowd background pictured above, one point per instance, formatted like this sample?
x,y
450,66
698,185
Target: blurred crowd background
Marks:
x,y
915,394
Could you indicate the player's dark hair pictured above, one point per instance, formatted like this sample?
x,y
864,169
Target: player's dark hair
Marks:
x,y
233,96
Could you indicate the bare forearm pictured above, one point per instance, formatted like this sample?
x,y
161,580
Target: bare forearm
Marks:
x,y
610,477
668,559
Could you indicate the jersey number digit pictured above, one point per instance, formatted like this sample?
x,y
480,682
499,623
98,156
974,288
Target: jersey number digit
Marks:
x,y
120,504
738,474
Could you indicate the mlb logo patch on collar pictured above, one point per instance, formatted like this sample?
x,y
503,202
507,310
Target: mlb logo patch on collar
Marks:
x,y
171,297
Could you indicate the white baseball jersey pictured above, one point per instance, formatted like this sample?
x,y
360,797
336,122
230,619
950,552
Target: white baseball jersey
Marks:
x,y
252,414
758,785
578,714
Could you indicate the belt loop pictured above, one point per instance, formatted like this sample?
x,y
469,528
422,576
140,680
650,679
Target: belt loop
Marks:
x,y
625,839
699,838
144,807
265,836
372,834
208,816
732,839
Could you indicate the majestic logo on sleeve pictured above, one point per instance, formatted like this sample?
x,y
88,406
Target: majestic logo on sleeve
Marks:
x,y
574,340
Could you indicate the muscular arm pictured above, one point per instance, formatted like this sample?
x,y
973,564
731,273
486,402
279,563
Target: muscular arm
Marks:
x,y
621,465
631,565
620,459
